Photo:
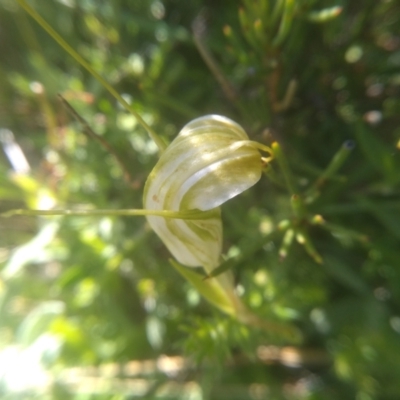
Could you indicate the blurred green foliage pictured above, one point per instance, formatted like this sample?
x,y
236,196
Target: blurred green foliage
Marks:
x,y
311,245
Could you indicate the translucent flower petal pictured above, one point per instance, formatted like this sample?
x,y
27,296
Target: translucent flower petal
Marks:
x,y
208,163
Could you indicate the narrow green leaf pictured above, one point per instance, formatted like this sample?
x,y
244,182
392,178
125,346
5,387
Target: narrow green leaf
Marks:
x,y
389,219
209,289
37,321
225,266
346,275
378,153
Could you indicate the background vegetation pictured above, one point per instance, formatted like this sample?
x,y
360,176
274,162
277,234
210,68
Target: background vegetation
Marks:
x,y
90,308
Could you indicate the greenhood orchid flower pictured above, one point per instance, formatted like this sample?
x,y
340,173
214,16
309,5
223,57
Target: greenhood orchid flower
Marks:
x,y
209,162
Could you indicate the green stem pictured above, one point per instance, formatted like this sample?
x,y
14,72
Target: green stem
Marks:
x,y
159,142
344,232
188,215
88,131
278,9
278,154
227,88
336,163
304,239
298,206
271,174
286,243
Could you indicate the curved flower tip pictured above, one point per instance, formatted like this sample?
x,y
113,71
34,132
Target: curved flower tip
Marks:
x,y
210,161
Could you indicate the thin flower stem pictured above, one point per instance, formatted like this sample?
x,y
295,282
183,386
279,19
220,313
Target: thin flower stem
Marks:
x,y
159,142
88,131
227,88
187,215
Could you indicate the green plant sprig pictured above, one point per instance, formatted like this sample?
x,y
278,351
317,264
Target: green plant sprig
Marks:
x,y
284,166
333,167
74,54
